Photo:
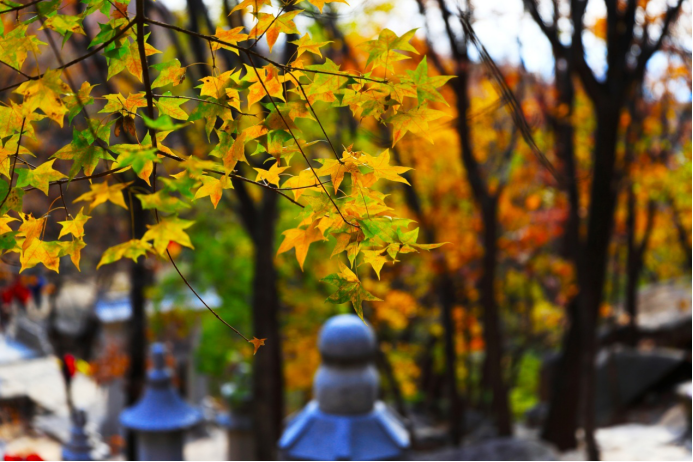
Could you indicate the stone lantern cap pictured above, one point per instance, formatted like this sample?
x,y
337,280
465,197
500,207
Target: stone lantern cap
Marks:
x,y
346,339
345,420
161,409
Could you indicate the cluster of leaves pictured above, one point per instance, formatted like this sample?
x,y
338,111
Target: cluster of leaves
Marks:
x,y
247,111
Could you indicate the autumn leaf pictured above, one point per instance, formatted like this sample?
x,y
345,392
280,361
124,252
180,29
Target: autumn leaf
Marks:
x,y
415,121
31,228
139,157
44,94
232,36
40,177
171,107
257,343
272,26
132,249
349,289
3,224
170,72
305,43
102,192
75,226
271,175
383,51
162,201
46,252
268,79
319,4
169,229
213,187
15,46
300,239
255,4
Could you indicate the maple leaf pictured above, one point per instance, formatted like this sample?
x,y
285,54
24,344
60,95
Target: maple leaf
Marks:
x,y
349,288
300,239
138,156
319,4
170,72
15,46
44,94
302,182
272,26
426,87
64,24
232,36
375,259
74,248
169,229
382,52
131,60
75,226
83,154
9,150
415,121
125,106
305,43
257,343
46,252
171,106
132,249
256,4
102,192
213,187
40,177
216,86
31,228
3,224
236,153
162,201
382,168
75,101
268,76
271,175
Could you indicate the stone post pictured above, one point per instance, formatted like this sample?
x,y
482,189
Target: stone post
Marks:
x,y
160,417
345,421
78,448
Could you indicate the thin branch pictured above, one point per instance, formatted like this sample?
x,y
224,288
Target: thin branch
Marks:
x,y
200,298
257,73
14,163
191,98
300,86
259,55
21,7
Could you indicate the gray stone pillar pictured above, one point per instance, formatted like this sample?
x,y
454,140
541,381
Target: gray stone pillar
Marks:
x,y
78,447
345,421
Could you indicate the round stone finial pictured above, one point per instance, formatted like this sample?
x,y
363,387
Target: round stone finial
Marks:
x,y
346,339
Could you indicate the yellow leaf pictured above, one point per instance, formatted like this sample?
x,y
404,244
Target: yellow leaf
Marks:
x,y
300,239
132,249
169,229
213,188
44,94
271,175
74,226
102,192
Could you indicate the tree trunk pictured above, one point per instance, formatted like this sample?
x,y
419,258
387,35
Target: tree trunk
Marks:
x,y
268,377
493,338
447,299
139,277
592,264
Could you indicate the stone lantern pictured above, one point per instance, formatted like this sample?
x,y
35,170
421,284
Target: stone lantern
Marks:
x,y
160,417
345,420
78,448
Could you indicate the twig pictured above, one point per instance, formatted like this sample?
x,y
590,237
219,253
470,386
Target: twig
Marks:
x,y
250,58
14,163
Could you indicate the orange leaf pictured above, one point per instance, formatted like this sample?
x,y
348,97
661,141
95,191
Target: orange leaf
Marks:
x,y
257,343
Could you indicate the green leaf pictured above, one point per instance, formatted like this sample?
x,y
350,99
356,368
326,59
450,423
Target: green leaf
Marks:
x,y
349,288
170,72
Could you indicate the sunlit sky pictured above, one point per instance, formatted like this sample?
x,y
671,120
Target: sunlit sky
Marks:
x,y
506,31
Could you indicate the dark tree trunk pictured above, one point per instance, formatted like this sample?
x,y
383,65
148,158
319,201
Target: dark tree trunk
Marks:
x,y
446,293
268,377
493,338
137,344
